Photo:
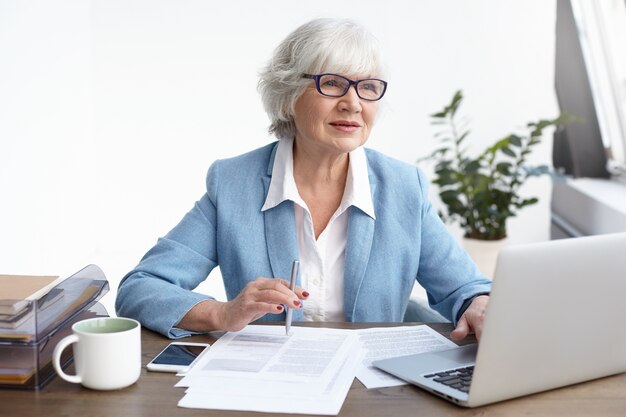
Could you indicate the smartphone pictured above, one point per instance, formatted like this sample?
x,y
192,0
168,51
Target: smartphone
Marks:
x,y
177,357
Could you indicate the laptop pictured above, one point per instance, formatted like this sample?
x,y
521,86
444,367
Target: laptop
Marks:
x,y
555,318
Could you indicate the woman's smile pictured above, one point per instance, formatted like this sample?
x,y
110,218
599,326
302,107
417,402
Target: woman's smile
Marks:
x,y
346,126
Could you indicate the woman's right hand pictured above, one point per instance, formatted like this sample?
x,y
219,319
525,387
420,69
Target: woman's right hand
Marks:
x,y
259,297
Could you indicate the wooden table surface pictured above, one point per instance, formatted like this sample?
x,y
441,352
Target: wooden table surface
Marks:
x,y
154,395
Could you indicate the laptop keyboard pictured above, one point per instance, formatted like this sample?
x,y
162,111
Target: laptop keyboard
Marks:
x,y
459,378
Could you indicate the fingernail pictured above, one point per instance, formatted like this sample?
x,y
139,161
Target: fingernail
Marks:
x,y
305,294
279,308
297,302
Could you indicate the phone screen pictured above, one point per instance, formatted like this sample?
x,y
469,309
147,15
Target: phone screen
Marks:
x,y
178,355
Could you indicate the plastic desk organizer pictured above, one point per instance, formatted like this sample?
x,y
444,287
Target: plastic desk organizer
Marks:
x,y
27,339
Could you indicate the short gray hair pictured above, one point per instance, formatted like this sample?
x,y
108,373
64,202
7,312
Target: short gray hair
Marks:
x,y
321,45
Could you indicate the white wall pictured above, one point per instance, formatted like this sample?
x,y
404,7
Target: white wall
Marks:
x,y
47,142
111,111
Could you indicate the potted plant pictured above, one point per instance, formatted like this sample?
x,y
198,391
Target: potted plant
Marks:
x,y
481,193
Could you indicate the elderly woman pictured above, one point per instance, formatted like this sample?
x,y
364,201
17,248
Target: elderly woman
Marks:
x,y
359,222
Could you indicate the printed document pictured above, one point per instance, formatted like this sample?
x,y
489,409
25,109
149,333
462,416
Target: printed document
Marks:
x,y
388,342
261,369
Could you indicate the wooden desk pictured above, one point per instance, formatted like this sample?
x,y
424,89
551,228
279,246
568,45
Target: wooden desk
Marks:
x,y
154,395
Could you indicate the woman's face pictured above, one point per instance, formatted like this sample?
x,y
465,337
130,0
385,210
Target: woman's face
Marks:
x,y
333,125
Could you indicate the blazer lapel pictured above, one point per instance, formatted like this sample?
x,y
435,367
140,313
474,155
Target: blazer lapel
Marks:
x,y
280,236
358,248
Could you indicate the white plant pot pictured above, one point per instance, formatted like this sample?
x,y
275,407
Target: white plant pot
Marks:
x,y
484,253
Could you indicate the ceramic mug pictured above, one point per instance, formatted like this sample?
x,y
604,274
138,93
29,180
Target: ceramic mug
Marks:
x,y
107,353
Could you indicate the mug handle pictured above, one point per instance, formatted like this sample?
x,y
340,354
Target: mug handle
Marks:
x,y
56,359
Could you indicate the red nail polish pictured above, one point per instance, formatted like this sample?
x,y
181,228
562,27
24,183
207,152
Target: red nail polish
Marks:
x,y
297,302
279,308
305,293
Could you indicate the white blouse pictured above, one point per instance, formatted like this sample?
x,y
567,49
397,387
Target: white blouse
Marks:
x,y
321,260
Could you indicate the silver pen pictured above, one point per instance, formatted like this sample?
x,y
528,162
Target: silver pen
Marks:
x,y
292,286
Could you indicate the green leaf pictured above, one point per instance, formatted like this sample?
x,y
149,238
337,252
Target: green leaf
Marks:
x,y
442,165
440,152
515,140
504,168
442,181
447,173
462,137
456,102
472,166
527,202
509,152
449,196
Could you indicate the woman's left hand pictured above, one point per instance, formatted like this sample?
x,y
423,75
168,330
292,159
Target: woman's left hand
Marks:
x,y
472,319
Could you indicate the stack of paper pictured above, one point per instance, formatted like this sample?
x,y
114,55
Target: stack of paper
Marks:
x,y
390,342
17,290
261,369
307,372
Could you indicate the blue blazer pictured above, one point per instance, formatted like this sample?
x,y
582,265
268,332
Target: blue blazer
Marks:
x,y
227,228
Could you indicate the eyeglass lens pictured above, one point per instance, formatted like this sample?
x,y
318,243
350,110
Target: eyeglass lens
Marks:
x,y
336,86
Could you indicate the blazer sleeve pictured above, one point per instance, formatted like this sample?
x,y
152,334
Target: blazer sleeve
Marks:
x,y
158,292
446,271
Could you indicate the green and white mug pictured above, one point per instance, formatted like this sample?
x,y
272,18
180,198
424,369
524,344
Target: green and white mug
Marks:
x,y
107,353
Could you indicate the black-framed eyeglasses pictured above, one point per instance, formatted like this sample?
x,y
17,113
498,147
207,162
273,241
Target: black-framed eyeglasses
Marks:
x,y
334,85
